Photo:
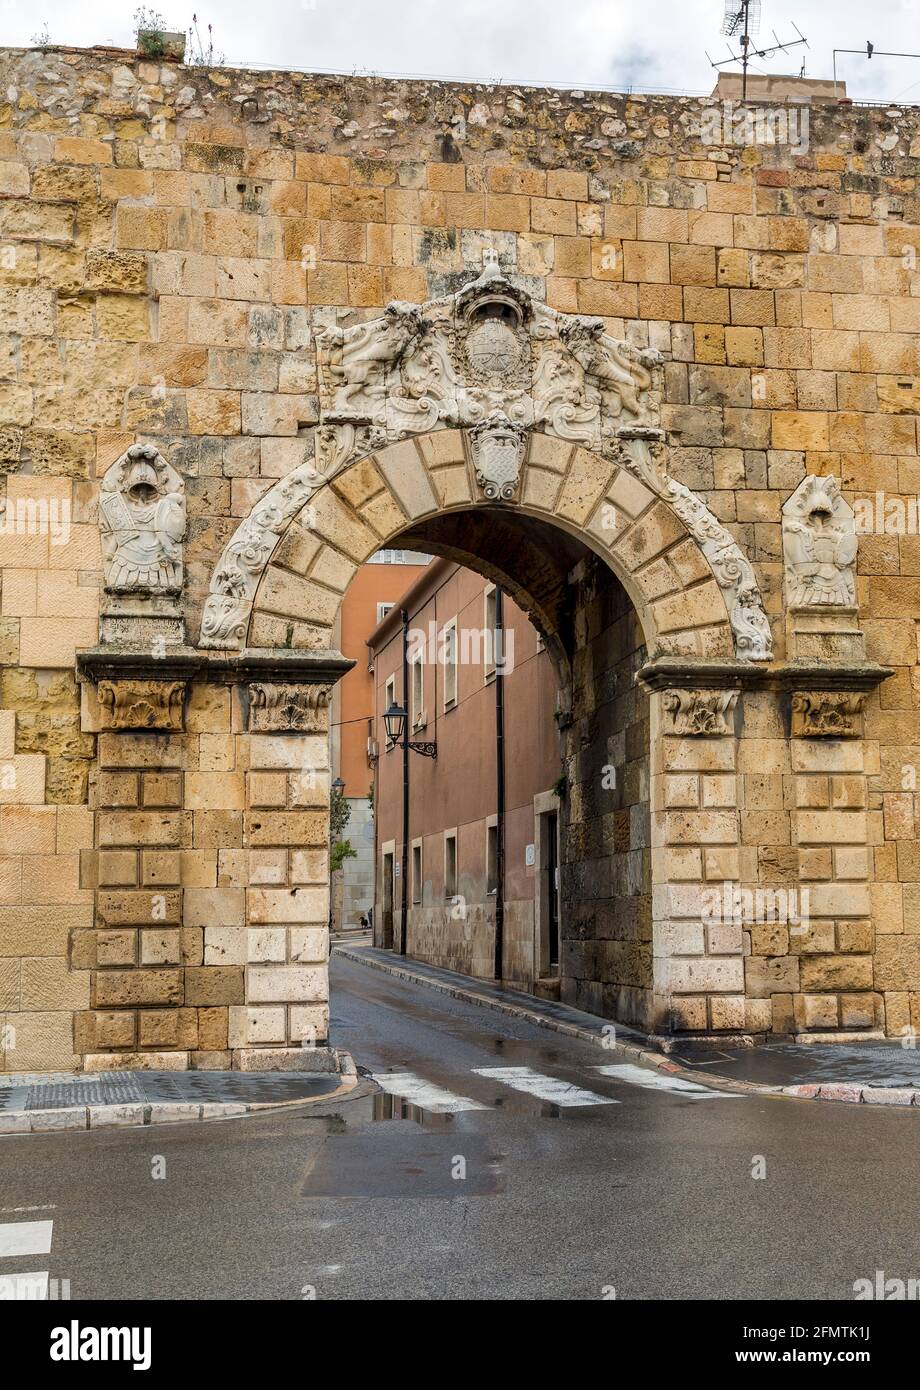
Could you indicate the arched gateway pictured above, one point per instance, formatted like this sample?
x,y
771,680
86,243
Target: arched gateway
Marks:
x,y
530,444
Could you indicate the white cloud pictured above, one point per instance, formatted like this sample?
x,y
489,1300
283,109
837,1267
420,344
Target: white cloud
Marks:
x,y
611,43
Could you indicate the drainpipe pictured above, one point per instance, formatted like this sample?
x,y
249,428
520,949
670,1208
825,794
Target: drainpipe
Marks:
x,y
499,787
404,891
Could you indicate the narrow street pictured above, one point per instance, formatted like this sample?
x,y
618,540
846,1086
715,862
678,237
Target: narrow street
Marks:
x,y
500,1161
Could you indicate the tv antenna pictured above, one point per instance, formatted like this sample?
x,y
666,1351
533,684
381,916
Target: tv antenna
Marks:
x,y
741,22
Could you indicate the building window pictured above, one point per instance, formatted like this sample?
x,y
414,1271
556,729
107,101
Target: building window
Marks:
x,y
492,858
418,693
489,642
449,657
382,610
417,872
450,864
389,698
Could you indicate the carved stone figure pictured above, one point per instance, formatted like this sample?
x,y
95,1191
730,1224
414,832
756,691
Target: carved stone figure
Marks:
x,y
619,377
361,355
142,521
819,545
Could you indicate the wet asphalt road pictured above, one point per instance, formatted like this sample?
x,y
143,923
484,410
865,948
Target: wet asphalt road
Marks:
x,y
521,1199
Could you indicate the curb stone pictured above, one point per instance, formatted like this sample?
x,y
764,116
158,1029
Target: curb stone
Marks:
x,y
135,1115
854,1093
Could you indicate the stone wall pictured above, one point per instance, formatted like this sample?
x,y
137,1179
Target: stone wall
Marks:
x,y
171,240
607,881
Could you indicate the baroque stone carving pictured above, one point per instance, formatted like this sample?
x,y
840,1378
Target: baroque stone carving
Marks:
x,y
156,705
641,451
828,714
699,712
819,546
497,446
498,363
275,708
142,521
234,581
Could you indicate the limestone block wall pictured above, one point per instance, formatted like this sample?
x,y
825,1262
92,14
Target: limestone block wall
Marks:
x,y
173,241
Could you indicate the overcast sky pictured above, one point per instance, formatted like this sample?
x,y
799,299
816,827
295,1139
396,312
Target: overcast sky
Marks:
x,y
609,43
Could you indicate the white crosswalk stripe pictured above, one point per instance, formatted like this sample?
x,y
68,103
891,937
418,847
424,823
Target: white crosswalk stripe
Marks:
x,y
661,1081
17,1239
425,1094
25,1238
548,1088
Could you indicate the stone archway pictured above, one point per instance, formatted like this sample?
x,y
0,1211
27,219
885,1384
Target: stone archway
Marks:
x,y
484,403
487,400
487,395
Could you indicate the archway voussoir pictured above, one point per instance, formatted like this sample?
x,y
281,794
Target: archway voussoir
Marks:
x,y
629,495
442,448
546,451
452,484
291,596
541,489
653,532
334,521
384,514
359,482
690,608
585,484
405,472
297,549
333,569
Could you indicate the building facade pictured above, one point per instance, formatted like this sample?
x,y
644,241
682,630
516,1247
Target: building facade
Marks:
x,y
475,886
655,375
372,593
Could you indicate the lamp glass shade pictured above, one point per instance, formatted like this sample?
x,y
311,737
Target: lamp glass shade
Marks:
x,y
394,721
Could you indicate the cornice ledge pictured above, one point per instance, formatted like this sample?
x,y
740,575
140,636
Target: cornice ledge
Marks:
x,y
670,672
280,664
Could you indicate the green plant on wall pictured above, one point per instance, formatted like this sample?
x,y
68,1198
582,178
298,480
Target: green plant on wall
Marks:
x,y
150,29
339,816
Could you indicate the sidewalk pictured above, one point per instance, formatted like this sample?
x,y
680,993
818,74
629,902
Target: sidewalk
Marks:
x,y
45,1101
873,1072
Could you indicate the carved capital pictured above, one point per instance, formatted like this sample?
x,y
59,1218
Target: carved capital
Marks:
x,y
143,705
698,712
301,709
828,713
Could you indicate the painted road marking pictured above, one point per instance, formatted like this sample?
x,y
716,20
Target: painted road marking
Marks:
x,y
660,1081
18,1238
548,1088
25,1237
424,1094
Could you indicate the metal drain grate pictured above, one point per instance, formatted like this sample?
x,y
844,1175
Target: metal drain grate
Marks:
x,y
65,1095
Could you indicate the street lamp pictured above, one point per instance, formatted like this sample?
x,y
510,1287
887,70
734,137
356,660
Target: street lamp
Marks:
x,y
395,720
338,786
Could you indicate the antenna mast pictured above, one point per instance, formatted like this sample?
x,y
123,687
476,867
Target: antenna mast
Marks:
x,y
742,19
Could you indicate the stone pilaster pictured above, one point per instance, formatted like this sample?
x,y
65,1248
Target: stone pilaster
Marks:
x,y
209,944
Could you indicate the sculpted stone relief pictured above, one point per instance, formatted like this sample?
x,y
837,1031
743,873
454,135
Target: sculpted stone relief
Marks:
x,y
142,520
699,713
494,361
819,546
828,714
